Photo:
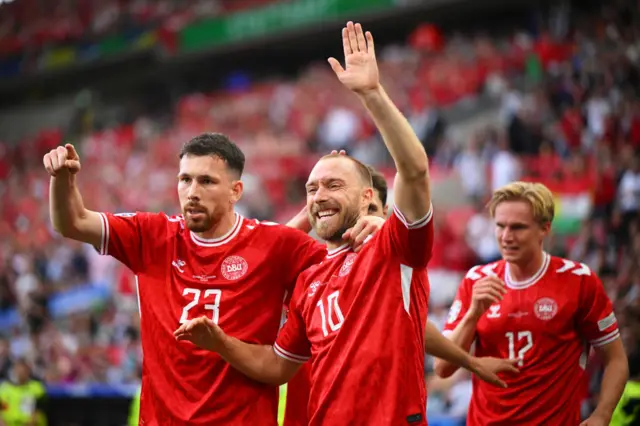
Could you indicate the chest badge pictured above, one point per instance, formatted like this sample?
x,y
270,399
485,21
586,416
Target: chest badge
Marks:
x,y
234,267
347,265
545,308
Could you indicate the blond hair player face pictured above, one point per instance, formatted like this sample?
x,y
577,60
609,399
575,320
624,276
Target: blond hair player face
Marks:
x,y
523,213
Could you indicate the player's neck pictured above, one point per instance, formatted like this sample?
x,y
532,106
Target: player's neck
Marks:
x,y
219,229
332,245
524,270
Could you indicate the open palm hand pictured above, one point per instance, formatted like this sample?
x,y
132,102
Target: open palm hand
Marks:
x,y
360,73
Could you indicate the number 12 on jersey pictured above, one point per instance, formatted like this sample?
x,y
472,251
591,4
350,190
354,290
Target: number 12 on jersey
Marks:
x,y
214,307
518,337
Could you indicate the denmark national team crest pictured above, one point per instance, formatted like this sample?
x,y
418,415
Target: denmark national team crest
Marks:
x,y
234,267
347,265
545,308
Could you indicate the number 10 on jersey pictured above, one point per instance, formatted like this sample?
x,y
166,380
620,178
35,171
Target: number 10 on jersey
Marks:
x,y
210,295
334,315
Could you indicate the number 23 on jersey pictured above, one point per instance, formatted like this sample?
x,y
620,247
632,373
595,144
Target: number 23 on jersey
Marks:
x,y
210,298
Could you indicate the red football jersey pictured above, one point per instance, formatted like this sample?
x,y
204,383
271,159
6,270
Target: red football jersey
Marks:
x,y
362,318
239,280
549,322
298,390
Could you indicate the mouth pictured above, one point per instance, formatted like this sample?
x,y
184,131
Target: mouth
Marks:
x,y
325,215
510,250
195,213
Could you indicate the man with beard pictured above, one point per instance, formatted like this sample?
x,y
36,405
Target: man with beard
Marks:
x,y
361,315
209,261
298,388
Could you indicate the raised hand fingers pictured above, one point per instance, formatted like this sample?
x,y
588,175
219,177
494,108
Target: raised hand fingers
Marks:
x,y
362,43
370,46
346,44
353,40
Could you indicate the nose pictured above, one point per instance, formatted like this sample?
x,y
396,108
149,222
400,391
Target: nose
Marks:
x,y
321,195
507,235
193,191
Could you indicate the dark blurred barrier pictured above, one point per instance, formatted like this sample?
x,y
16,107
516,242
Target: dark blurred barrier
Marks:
x,y
88,411
96,411
89,405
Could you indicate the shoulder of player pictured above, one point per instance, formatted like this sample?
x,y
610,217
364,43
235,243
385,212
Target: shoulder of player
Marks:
x,y
274,230
489,269
571,271
149,218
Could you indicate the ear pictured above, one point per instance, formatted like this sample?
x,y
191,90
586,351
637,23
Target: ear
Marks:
x,y
546,228
365,199
237,188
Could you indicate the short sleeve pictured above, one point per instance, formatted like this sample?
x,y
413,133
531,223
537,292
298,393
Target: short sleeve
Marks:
x,y
292,342
299,252
125,236
596,319
411,242
459,307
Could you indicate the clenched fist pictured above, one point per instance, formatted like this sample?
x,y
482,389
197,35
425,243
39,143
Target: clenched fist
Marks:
x,y
486,292
63,159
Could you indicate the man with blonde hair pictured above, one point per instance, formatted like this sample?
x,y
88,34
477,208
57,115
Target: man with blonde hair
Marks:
x,y
543,310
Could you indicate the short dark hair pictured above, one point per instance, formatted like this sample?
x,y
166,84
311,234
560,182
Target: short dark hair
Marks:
x,y
363,171
216,145
379,184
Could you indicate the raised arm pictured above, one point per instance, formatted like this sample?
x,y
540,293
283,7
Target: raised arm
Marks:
x,y
69,217
411,189
258,362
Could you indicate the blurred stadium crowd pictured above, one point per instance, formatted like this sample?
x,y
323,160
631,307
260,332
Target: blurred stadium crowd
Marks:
x,y
568,114
33,25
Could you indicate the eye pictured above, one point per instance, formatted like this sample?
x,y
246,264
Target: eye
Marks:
x,y
185,179
311,190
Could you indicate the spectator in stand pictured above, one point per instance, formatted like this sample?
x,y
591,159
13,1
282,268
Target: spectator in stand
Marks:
x,y
505,166
629,195
472,170
5,359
